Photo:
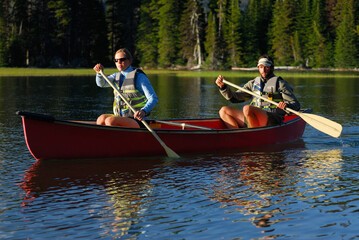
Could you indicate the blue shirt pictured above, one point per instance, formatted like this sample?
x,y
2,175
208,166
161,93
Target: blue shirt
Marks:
x,y
142,84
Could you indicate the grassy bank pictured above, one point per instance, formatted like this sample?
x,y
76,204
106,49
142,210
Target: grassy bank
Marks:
x,y
182,73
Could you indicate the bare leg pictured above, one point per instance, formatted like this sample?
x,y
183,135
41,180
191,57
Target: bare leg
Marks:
x,y
112,120
256,117
101,119
232,117
121,121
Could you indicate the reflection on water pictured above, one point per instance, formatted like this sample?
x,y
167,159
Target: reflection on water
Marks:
x,y
123,182
137,198
263,186
323,165
302,190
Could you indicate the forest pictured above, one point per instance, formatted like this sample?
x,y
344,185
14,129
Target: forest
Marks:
x,y
209,34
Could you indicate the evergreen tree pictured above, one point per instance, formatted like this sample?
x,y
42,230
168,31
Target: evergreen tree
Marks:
x,y
169,17
42,25
303,24
346,49
256,22
318,44
61,32
263,23
122,17
282,32
234,33
330,16
192,33
222,17
147,36
3,38
88,36
18,21
251,39
99,41
211,43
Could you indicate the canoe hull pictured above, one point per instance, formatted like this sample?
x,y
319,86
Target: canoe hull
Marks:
x,y
49,138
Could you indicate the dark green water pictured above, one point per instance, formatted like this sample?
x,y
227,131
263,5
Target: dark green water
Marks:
x,y
303,190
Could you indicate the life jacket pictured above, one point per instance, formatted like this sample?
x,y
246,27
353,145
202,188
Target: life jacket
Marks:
x,y
128,90
270,91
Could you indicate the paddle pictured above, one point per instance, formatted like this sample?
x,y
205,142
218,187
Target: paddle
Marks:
x,y
170,152
322,124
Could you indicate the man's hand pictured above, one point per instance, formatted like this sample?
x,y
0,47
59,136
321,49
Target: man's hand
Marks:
x,y
282,105
219,81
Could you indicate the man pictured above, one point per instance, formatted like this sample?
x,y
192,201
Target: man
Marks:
x,y
259,113
134,85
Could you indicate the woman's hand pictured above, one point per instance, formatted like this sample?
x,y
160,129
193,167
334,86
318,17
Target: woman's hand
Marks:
x,y
98,67
139,115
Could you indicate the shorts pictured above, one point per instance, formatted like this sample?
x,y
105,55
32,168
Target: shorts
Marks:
x,y
273,119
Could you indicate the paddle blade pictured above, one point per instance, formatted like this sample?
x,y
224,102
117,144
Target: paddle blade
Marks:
x,y
323,124
170,152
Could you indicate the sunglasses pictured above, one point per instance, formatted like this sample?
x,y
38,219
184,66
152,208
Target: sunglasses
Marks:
x,y
120,59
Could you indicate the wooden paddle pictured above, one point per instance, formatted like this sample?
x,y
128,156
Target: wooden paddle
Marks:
x,y
170,152
322,124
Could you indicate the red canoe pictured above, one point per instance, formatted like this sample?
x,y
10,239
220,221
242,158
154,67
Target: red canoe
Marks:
x,y
50,138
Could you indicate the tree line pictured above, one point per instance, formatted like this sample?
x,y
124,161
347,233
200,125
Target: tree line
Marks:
x,y
213,34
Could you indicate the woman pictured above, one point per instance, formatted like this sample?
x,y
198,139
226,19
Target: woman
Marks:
x,y
134,85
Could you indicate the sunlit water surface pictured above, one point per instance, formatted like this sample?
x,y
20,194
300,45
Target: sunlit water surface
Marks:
x,y
302,190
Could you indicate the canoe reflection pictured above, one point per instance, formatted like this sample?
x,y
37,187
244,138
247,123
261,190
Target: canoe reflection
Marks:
x,y
121,181
45,175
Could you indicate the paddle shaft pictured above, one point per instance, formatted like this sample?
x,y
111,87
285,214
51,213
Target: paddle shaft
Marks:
x,y
169,151
322,124
183,125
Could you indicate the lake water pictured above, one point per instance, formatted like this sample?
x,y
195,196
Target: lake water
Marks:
x,y
303,190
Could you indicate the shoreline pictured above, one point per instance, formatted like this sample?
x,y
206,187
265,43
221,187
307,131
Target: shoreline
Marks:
x,y
196,72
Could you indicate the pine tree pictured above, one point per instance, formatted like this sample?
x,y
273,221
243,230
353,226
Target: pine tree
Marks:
x,y
192,33
256,22
222,17
282,32
303,24
211,43
251,39
121,17
147,35
61,32
319,47
3,39
18,22
234,33
346,50
42,31
169,16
